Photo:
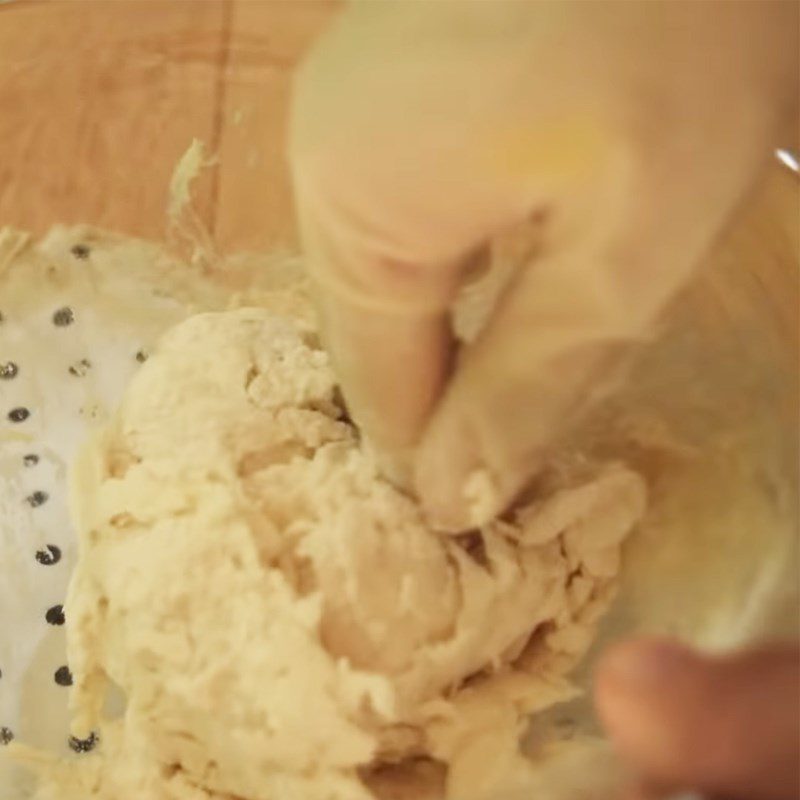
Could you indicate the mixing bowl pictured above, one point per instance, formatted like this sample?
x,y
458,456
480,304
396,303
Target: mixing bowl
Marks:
x,y
97,102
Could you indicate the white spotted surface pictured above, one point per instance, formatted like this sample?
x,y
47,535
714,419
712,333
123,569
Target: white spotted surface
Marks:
x,y
80,311
69,339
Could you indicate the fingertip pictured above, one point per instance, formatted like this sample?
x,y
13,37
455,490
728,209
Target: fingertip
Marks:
x,y
643,694
462,485
395,466
626,677
724,725
637,664
392,367
445,457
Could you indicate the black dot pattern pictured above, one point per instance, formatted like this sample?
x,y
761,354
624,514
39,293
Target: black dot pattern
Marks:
x,y
36,499
84,745
55,615
18,414
49,556
78,350
80,251
62,676
6,736
63,317
8,371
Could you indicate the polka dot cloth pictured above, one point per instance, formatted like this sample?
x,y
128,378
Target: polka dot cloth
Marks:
x,y
70,340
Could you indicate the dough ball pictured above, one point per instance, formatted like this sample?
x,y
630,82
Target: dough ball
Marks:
x,y
279,618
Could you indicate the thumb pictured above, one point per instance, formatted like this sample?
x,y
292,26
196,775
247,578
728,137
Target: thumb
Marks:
x,y
727,726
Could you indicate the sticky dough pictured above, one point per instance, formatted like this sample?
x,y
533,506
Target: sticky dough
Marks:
x,y
280,620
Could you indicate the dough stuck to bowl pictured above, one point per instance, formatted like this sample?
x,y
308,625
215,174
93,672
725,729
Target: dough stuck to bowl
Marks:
x,y
280,620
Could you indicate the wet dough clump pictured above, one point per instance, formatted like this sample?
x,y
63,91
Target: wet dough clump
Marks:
x,y
280,620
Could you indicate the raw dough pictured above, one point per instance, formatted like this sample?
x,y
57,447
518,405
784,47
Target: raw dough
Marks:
x,y
282,623
119,295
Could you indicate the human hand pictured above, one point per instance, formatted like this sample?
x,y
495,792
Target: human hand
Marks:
x,y
724,726
421,131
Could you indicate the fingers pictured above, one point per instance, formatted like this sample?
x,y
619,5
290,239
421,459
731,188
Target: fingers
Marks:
x,y
382,310
394,368
727,726
616,252
412,143
420,131
551,349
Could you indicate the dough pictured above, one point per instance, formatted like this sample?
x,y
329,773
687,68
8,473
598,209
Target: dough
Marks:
x,y
80,309
280,620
